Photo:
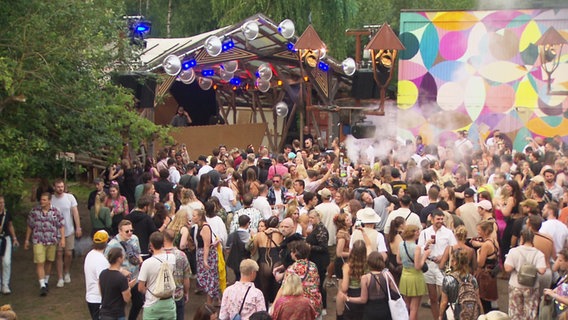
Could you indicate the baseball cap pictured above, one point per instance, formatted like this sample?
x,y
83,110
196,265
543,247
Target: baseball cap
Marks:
x,y
529,203
291,155
469,192
325,193
100,236
538,179
485,205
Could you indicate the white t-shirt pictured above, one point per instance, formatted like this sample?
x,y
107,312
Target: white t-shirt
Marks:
x,y
64,205
444,238
377,242
261,203
413,218
226,196
520,255
557,230
174,175
95,263
149,274
218,227
328,211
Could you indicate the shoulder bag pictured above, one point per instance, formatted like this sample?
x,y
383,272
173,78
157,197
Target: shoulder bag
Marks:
x,y
397,307
238,315
424,266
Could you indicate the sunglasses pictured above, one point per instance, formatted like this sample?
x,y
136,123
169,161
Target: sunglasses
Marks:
x,y
128,231
275,181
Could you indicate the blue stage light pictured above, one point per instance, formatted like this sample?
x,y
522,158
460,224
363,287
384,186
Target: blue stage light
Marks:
x,y
290,46
207,72
236,81
227,45
323,66
188,64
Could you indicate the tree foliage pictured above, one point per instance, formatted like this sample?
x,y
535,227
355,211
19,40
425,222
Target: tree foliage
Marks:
x,y
55,90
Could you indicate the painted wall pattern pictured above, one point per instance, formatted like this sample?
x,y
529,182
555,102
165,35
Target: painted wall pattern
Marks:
x,y
479,70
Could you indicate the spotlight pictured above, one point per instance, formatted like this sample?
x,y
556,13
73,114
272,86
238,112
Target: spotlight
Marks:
x,y
264,72
213,46
172,65
290,47
143,27
228,45
205,83
187,76
188,64
230,66
349,66
235,81
250,30
225,75
207,72
323,66
281,109
286,28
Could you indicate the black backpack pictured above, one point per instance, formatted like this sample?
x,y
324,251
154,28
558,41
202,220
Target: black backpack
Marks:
x,y
238,251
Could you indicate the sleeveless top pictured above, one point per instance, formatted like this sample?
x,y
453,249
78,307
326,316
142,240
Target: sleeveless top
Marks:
x,y
410,246
199,238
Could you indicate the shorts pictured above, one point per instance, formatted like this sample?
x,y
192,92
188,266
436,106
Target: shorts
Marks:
x,y
44,252
434,274
69,243
331,250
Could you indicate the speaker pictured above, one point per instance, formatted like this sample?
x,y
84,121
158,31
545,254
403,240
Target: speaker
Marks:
x,y
364,85
363,130
143,87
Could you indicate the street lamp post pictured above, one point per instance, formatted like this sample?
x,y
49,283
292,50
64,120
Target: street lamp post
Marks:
x,y
310,49
550,47
384,47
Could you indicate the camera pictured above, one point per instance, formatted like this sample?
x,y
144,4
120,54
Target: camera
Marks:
x,y
358,223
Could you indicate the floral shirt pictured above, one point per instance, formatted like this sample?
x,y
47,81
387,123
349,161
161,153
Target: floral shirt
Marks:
x,y
119,206
46,226
308,272
181,271
253,213
115,243
233,298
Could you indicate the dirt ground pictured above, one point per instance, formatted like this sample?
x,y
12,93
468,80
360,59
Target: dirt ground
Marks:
x,y
69,302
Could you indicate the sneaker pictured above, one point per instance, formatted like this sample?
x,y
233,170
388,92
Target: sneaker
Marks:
x,y
6,290
60,283
324,313
67,278
43,291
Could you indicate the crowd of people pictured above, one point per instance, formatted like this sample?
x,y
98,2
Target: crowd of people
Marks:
x,y
434,221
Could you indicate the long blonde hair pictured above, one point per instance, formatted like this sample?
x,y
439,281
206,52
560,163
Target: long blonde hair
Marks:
x,y
100,199
180,220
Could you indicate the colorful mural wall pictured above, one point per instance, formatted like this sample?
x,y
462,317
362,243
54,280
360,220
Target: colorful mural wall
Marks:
x,y
480,70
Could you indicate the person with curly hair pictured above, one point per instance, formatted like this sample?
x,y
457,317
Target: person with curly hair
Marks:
x,y
343,223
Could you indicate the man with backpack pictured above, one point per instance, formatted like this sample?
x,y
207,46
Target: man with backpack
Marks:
x,y
156,281
236,243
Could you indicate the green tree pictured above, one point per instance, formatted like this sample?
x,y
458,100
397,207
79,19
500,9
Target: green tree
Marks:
x,y
55,90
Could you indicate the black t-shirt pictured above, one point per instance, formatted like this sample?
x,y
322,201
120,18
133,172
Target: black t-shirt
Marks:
x,y
163,187
424,213
518,226
112,284
7,220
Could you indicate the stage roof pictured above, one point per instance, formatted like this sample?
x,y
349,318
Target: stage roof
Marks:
x,y
269,47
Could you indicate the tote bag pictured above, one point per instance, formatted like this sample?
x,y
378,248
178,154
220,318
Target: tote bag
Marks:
x,y
397,307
